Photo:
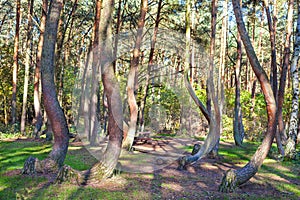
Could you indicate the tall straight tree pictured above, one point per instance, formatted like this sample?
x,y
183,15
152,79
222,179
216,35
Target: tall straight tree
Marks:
x,y
131,80
93,123
234,178
15,64
37,105
238,127
286,60
54,112
27,64
294,120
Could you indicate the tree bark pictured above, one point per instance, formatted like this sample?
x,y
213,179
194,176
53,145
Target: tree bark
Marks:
x,y
238,127
272,31
54,112
15,64
93,130
234,178
292,133
286,59
37,105
210,86
131,80
27,65
150,65
104,168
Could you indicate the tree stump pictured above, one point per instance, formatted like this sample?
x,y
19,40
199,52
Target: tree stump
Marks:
x,y
229,182
31,166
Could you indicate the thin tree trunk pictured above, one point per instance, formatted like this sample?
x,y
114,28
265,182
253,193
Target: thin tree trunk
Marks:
x,y
211,90
292,133
95,77
234,178
116,41
150,65
221,78
131,81
238,127
15,64
253,91
272,31
27,65
286,59
37,106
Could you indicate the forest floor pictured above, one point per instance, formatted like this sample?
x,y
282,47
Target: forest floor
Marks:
x,y
275,179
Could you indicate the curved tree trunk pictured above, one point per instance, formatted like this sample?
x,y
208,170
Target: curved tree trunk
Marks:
x,y
291,142
210,85
234,178
131,82
150,65
272,31
54,111
104,168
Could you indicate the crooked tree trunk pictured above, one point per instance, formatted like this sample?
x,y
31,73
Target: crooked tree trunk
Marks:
x,y
15,65
132,82
238,127
54,112
292,140
210,86
272,31
37,105
150,65
105,167
234,178
214,130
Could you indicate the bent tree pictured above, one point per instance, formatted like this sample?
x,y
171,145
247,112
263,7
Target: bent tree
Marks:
x,y
104,168
54,112
234,178
131,82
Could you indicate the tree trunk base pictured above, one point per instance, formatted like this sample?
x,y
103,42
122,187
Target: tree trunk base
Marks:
x,y
229,183
33,165
290,150
182,163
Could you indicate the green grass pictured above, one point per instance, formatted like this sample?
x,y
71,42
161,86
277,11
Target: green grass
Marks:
x,y
14,153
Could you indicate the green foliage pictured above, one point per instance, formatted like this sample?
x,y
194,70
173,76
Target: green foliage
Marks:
x,y
163,108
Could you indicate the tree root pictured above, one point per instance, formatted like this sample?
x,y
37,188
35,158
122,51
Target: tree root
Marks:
x,y
229,183
69,175
196,148
182,163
